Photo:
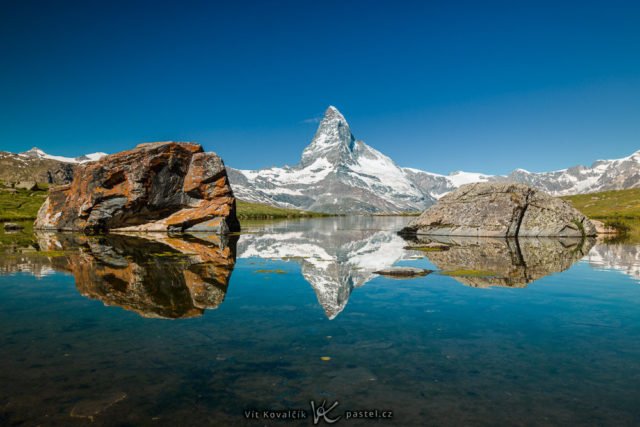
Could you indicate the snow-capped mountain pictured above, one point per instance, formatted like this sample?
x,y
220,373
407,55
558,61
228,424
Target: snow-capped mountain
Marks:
x,y
436,185
336,173
339,174
603,175
36,153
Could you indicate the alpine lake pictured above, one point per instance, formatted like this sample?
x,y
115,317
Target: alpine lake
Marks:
x,y
289,316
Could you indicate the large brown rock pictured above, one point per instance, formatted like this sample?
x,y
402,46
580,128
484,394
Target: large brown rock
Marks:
x,y
162,186
500,210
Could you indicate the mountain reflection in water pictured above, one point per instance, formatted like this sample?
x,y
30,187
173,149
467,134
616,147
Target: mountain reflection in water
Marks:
x,y
168,276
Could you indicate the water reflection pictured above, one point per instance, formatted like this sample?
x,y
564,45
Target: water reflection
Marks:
x,y
167,276
155,275
336,255
620,257
429,348
486,262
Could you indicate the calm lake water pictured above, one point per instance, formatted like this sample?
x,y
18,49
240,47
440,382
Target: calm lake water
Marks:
x,y
196,330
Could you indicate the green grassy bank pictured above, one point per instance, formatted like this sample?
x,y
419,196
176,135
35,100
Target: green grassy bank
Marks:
x,y
618,208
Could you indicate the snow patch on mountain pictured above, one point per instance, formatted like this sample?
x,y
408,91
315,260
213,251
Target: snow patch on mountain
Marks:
x,y
338,173
461,178
37,153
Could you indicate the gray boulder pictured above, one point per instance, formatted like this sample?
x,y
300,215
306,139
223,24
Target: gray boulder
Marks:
x,y
12,226
500,210
26,185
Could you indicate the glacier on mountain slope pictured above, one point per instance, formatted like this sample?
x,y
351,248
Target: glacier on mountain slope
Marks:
x,y
338,173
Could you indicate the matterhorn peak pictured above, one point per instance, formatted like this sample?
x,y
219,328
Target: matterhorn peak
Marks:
x,y
333,112
333,140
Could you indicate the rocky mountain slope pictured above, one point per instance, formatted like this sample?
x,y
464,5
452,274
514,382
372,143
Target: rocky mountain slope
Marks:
x,y
37,166
603,175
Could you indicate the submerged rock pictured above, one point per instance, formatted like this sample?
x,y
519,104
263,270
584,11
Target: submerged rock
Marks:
x,y
500,210
162,186
403,272
90,408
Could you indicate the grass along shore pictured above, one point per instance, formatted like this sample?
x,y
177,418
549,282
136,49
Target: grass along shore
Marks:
x,y
20,205
618,208
249,210
23,205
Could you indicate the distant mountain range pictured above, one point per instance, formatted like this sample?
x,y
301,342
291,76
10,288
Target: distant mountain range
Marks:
x,y
339,174
36,153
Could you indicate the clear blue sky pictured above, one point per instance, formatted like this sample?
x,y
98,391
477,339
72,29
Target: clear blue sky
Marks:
x,y
444,86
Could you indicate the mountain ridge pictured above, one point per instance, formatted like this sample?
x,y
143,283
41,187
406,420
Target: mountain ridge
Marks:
x,y
338,173
334,147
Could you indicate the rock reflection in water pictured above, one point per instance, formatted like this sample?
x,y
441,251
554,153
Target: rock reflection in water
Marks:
x,y
485,262
154,275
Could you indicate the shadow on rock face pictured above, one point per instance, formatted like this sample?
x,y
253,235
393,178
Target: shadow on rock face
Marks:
x,y
154,275
484,262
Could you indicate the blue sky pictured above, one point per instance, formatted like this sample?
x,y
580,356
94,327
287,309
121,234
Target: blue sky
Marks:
x,y
442,86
